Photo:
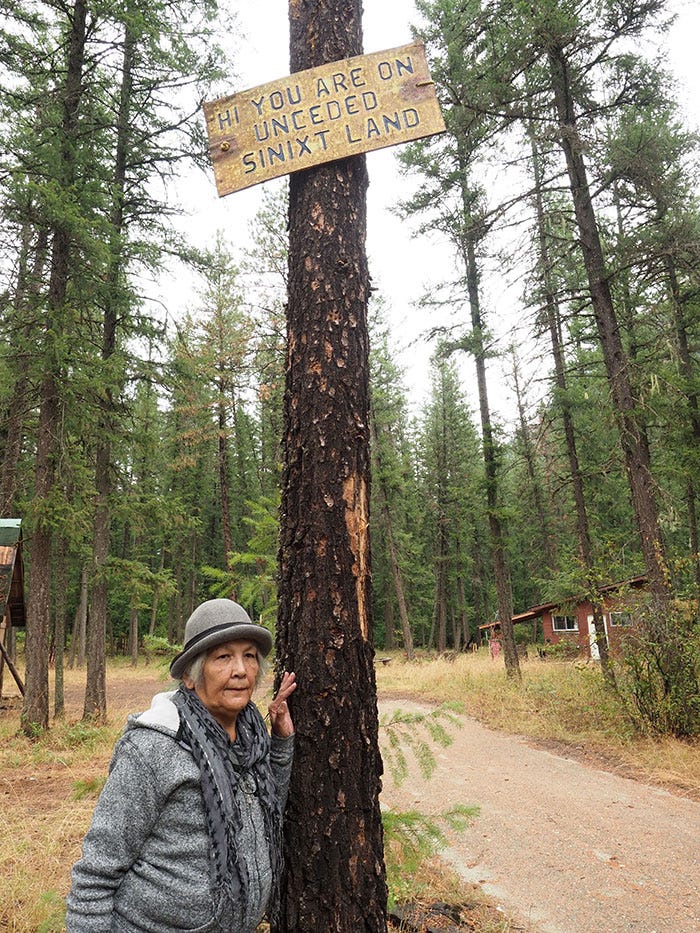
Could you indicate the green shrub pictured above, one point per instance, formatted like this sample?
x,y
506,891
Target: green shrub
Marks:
x,y
659,673
155,646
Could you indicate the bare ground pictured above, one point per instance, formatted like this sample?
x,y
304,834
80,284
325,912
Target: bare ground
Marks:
x,y
564,845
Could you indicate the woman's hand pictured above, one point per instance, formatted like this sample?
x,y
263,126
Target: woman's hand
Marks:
x,y
280,717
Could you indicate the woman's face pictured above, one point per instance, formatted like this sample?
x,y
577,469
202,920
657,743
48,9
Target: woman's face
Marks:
x,y
228,680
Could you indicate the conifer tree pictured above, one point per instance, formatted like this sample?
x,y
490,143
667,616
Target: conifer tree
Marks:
x,y
36,701
391,477
451,479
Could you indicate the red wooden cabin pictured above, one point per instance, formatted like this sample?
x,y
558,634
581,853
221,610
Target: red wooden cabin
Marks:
x,y
571,622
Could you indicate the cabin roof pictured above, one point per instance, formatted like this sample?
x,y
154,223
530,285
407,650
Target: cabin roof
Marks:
x,y
12,571
536,611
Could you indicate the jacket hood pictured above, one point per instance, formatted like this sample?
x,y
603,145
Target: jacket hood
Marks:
x,y
163,715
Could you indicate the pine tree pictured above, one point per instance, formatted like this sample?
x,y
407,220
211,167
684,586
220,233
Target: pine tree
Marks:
x,y
391,478
451,483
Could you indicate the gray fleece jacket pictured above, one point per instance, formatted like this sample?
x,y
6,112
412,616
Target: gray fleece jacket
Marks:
x,y
145,864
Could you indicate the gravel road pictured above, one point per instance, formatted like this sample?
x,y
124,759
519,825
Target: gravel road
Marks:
x,y
562,846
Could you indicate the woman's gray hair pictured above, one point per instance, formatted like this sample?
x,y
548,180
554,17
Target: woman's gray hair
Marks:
x,y
195,669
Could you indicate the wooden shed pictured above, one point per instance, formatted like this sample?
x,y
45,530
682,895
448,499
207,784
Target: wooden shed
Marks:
x,y
571,621
12,606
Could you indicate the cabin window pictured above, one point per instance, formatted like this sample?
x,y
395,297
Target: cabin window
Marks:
x,y
621,618
565,623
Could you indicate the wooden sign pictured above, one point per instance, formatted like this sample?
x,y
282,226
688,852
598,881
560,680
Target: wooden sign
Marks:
x,y
330,112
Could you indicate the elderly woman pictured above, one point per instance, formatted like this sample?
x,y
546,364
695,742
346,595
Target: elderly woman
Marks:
x,y
186,834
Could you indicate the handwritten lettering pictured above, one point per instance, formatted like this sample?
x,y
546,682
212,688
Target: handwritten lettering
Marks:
x,y
324,113
382,125
285,151
388,70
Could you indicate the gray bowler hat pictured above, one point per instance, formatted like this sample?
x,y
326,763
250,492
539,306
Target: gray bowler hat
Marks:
x,y
214,622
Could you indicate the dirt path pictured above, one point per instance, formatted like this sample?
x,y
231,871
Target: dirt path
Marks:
x,y
564,847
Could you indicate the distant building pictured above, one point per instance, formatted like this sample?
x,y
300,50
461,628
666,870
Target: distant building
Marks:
x,y
12,609
571,621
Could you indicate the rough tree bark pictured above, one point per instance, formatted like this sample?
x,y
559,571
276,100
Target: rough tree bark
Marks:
x,y
222,459
687,367
335,877
95,703
21,397
547,549
396,574
61,590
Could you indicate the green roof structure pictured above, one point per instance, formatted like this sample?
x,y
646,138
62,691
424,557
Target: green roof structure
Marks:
x,y
11,572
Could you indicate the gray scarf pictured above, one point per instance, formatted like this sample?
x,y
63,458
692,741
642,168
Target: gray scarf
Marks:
x,y
221,764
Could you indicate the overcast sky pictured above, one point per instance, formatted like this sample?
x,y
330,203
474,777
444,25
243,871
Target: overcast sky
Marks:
x,y
403,266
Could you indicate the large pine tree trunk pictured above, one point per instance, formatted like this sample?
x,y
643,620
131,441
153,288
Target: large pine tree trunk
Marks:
x,y
397,577
440,608
224,483
688,368
61,590
396,574
547,543
333,833
20,399
78,635
35,711
501,572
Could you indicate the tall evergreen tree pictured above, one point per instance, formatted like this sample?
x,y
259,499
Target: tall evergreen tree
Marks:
x,y
35,710
456,205
451,479
391,480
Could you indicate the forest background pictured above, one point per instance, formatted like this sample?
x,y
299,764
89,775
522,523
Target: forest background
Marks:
x,y
140,442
